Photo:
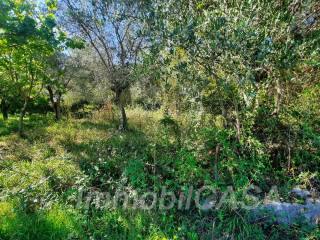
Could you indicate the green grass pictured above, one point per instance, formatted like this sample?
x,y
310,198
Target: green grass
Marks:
x,y
55,223
41,176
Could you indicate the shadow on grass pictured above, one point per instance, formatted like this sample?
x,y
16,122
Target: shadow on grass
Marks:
x,y
35,121
106,159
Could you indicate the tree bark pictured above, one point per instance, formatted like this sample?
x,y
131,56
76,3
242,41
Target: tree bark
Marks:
x,y
22,115
4,109
123,121
58,109
55,100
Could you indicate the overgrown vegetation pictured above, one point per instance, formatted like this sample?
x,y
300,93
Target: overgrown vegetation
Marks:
x,y
154,98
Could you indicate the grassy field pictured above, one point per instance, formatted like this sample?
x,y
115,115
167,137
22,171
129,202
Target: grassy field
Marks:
x,y
42,175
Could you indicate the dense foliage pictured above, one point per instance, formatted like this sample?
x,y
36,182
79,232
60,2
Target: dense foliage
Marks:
x,y
138,96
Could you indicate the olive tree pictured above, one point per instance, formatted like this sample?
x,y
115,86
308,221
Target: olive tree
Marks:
x,y
112,28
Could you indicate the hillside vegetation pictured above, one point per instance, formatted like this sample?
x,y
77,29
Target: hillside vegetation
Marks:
x,y
158,120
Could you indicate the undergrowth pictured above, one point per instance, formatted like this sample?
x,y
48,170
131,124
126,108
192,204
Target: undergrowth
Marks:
x,y
42,175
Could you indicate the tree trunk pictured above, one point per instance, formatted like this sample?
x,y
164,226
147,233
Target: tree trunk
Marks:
x,y
55,102
123,119
5,114
123,122
22,114
4,109
58,109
